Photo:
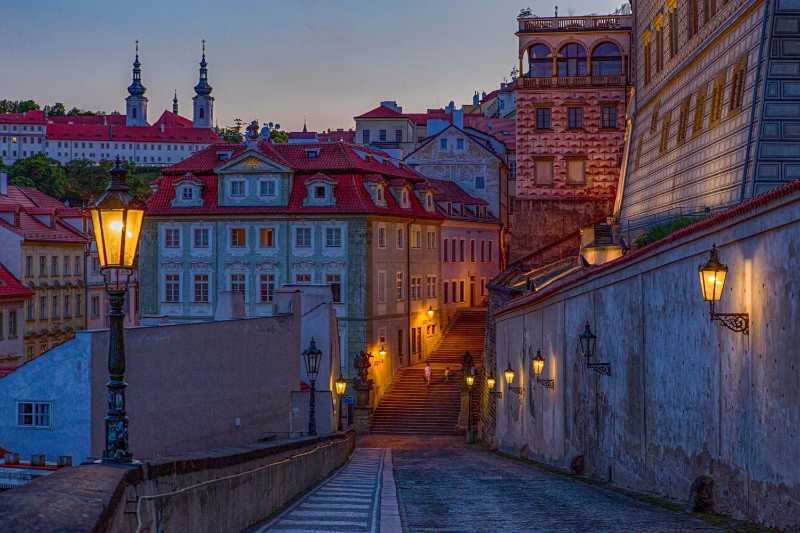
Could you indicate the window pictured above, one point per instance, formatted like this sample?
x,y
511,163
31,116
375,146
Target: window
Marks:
x,y
29,310
574,118
333,237
365,136
201,237
665,126
461,290
540,61
381,237
480,182
302,237
673,33
445,291
431,235
319,192
572,60
691,18
67,306
381,286
172,238
266,287
54,265
416,288
608,117
544,171
335,282
489,248
237,188
238,282
266,188
576,171
398,135
453,245
416,238
302,278
459,144
42,265
443,143
654,117
431,286
399,286
737,85
95,310
483,251
78,305
543,118
638,159
683,120
172,288
472,250
12,325
444,250
659,48
29,265
699,111
54,309
461,250
187,193
606,60
401,238
266,238
34,414
382,135
717,93
238,238
78,265
709,10
647,54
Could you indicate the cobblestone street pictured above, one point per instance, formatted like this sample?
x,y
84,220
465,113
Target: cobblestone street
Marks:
x,y
445,486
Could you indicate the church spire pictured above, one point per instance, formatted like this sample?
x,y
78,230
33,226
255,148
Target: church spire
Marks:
x,y
305,128
175,102
202,86
136,88
203,102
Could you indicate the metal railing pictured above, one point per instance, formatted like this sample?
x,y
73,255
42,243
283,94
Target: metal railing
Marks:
x,y
571,81
588,23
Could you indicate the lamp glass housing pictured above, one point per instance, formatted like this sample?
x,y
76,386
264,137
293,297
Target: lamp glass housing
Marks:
x,y
382,351
341,385
509,375
712,277
491,382
312,356
588,342
470,380
430,311
538,363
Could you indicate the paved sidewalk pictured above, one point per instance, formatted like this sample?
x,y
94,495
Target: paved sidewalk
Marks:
x,y
445,486
349,501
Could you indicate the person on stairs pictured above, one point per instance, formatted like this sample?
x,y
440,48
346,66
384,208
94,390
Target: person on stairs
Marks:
x,y
428,372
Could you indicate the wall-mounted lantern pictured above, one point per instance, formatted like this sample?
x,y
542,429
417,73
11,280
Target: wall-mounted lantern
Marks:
x,y
430,311
712,282
470,379
491,382
538,368
509,375
341,387
382,351
587,341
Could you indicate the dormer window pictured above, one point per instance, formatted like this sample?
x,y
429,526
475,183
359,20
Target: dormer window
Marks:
x,y
312,153
319,192
379,198
404,198
429,201
187,193
223,156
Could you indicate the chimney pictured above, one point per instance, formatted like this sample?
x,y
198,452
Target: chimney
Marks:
x,y
3,184
392,104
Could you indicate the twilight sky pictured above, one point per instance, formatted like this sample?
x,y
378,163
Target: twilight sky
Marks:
x,y
273,60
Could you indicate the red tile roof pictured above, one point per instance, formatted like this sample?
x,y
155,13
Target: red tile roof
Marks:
x,y
28,117
176,129
448,191
502,129
382,112
338,135
33,229
10,287
114,119
419,119
25,202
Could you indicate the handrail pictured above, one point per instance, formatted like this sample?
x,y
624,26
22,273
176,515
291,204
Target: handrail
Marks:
x,y
587,23
528,82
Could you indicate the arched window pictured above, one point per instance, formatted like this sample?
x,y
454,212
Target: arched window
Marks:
x,y
606,60
540,61
572,60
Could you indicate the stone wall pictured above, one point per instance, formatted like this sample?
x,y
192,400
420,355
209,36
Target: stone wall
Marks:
x,y
219,490
686,397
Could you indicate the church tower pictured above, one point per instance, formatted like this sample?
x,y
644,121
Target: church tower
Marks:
x,y
175,102
136,103
203,101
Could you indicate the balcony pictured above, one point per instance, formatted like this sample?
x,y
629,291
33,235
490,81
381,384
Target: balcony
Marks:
x,y
570,82
569,24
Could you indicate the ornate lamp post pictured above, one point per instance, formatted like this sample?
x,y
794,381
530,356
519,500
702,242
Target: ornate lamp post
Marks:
x,y
312,356
587,342
538,368
712,282
470,380
341,387
510,375
117,224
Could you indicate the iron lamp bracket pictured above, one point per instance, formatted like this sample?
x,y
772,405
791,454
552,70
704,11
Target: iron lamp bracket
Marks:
x,y
737,322
547,383
600,368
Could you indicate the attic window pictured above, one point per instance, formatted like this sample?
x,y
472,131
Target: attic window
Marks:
x,y
404,197
312,153
379,194
319,191
429,202
187,193
223,156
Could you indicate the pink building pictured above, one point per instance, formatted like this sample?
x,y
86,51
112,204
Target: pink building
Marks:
x,y
13,295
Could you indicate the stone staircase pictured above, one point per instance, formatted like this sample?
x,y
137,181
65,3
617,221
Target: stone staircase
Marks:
x,y
410,407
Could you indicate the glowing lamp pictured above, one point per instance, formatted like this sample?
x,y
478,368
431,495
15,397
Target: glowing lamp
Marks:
x,y
509,375
491,382
117,223
470,380
538,363
712,277
341,385
430,311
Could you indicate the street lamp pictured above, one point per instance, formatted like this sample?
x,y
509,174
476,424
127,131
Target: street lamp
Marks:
x,y
587,341
117,224
538,368
712,282
312,356
470,379
509,375
341,387
382,351
430,311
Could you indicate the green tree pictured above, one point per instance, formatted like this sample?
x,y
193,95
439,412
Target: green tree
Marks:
x,y
41,172
58,109
26,105
278,137
231,135
85,180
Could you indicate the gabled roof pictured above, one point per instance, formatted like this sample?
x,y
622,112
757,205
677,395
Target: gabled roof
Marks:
x,y
502,129
480,142
10,287
176,129
28,117
419,119
448,191
31,228
382,112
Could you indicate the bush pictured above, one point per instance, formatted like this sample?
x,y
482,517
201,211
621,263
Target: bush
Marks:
x,y
656,233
